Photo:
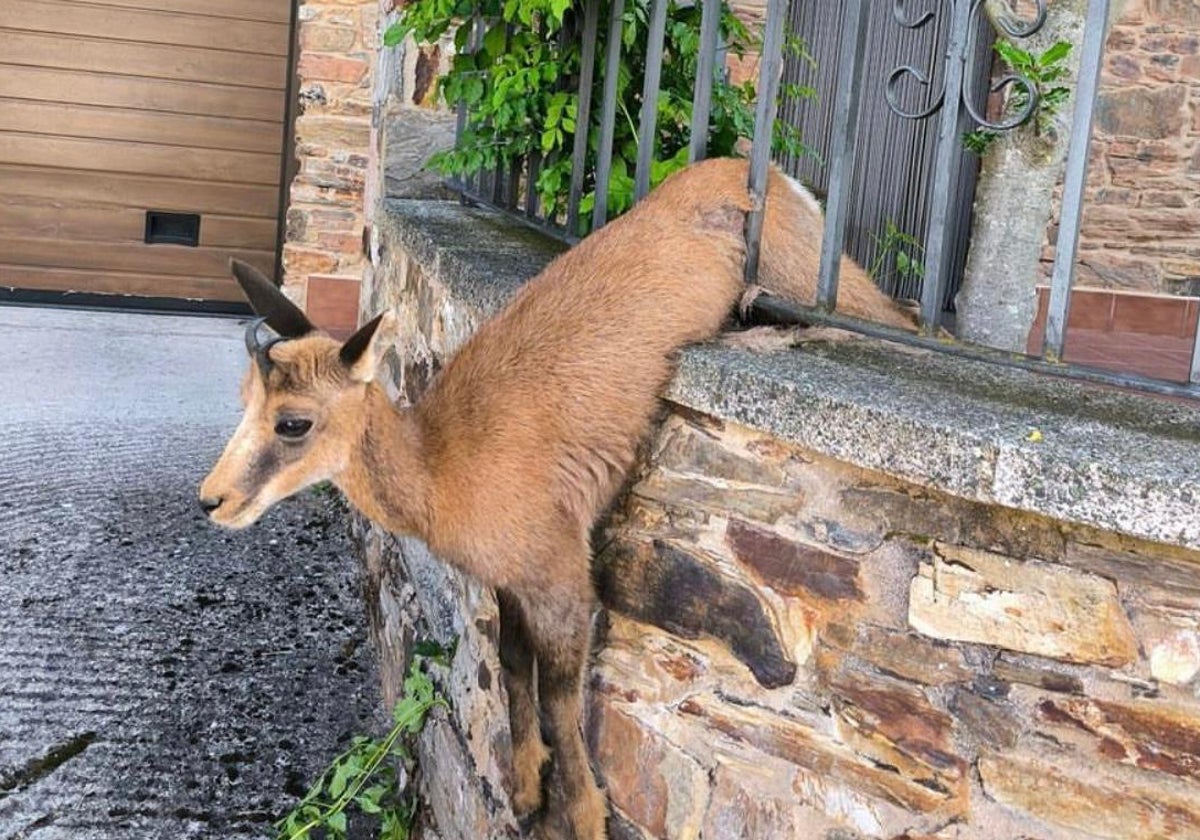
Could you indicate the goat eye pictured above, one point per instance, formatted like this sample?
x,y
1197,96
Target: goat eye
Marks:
x,y
292,427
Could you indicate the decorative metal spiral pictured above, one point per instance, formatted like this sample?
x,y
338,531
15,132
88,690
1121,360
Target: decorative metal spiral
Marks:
x,y
1011,24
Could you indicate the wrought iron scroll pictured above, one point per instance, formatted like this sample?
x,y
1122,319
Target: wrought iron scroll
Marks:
x,y
958,88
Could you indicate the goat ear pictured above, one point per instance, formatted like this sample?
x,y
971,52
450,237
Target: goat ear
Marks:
x,y
362,352
267,301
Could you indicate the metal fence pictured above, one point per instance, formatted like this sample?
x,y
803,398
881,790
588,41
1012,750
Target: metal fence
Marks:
x,y
957,106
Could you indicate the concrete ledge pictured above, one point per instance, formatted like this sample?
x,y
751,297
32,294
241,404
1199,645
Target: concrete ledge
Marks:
x,y
1124,463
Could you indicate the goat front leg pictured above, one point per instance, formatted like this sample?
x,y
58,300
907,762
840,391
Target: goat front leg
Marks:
x,y
561,629
529,752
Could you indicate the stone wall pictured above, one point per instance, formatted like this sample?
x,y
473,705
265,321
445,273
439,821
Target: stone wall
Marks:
x,y
849,593
323,259
1141,227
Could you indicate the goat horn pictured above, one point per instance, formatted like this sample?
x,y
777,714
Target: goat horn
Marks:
x,y
258,350
283,316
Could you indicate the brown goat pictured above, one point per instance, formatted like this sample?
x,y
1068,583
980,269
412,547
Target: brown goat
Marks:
x,y
527,434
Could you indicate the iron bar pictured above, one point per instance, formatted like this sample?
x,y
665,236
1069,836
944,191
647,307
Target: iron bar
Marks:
x,y
648,121
768,309
583,111
946,167
770,67
460,121
608,113
842,149
710,33
1075,180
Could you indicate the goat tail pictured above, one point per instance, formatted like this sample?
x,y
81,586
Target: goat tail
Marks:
x,y
791,257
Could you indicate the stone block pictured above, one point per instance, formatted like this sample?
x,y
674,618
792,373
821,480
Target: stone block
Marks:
x,y
413,135
297,260
1149,734
1146,113
331,68
665,586
896,726
905,655
348,133
806,746
974,596
1118,803
1181,13
794,568
651,781
321,38
688,493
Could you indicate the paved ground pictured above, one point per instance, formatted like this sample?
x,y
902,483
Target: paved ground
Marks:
x,y
158,677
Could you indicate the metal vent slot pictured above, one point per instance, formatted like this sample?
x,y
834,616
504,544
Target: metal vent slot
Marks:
x,y
172,228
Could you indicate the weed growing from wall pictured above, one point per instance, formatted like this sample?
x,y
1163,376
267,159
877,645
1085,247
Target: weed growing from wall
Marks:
x,y
1043,71
364,778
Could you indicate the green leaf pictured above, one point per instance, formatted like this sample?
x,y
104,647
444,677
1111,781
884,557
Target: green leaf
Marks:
x,y
493,40
1055,54
394,34
337,822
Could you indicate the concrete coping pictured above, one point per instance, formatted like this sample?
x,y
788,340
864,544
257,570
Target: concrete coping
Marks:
x,y
1075,452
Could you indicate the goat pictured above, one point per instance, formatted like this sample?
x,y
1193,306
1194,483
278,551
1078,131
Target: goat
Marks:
x,y
526,435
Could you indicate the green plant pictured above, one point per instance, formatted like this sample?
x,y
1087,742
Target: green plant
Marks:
x,y
1042,71
518,88
364,776
904,250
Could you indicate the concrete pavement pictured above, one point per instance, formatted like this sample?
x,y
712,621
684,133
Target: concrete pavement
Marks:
x,y
158,677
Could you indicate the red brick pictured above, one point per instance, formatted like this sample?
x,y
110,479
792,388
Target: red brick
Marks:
x,y
344,244
333,303
331,68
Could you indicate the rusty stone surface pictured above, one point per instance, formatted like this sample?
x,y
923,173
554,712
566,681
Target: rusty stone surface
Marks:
x,y
662,585
794,568
976,596
1147,734
896,726
905,655
807,747
1053,786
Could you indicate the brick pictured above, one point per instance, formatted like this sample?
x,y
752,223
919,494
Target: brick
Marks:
x,y
665,586
347,133
968,595
308,260
1055,787
344,244
321,38
313,67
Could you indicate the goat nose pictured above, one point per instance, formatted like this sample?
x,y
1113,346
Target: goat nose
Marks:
x,y
210,504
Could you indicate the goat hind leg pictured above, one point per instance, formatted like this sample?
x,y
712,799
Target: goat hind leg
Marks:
x,y
562,635
529,752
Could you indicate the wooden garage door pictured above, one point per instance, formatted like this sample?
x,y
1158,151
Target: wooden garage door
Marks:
x,y
112,108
